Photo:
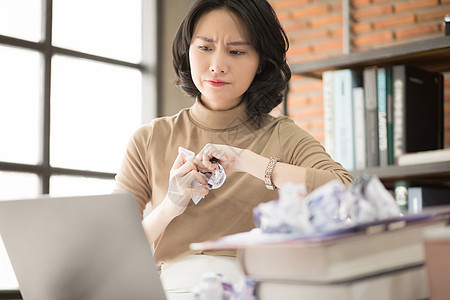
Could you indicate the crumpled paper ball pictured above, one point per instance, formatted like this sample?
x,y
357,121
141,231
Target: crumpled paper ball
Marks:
x,y
328,208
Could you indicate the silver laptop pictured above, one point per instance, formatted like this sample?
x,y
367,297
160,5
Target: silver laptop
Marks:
x,y
89,247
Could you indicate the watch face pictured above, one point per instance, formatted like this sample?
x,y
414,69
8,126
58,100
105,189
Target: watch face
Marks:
x,y
270,187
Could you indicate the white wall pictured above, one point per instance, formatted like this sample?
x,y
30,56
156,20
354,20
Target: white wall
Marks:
x,y
173,98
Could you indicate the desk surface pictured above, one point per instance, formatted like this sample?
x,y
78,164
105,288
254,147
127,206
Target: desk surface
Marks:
x,y
9,290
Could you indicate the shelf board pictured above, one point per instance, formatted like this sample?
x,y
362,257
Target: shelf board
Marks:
x,y
433,173
432,55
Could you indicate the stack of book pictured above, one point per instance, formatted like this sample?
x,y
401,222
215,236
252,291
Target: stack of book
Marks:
x,y
408,283
380,260
375,115
424,157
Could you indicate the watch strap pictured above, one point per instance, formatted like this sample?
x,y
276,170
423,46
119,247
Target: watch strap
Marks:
x,y
268,173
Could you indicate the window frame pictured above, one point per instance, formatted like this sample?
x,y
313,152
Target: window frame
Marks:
x,y
148,67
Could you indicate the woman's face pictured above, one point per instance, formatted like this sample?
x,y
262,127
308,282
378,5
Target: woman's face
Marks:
x,y
223,61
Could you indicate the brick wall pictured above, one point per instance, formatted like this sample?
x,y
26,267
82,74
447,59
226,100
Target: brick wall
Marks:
x,y
314,28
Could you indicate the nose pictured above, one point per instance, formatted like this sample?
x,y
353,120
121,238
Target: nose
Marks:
x,y
218,63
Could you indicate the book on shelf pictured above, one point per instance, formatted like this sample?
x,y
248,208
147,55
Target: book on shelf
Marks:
x,y
418,110
359,128
424,157
413,197
328,111
420,197
343,84
390,116
403,113
409,283
371,107
360,251
382,117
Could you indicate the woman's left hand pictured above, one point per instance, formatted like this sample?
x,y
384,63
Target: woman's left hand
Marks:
x,y
228,156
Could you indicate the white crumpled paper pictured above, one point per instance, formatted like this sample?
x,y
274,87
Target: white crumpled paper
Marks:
x,y
328,208
215,180
215,286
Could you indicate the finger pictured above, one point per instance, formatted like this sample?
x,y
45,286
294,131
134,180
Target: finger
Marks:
x,y
179,161
199,177
198,161
205,156
199,191
187,167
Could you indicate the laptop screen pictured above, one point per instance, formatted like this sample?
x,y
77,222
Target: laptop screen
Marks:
x,y
85,247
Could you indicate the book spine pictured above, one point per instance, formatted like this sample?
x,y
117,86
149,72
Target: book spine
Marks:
x,y
398,77
382,118
390,116
328,112
343,115
415,203
371,108
418,99
359,128
440,113
425,196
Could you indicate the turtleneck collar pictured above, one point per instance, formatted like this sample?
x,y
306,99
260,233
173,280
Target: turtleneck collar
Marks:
x,y
223,119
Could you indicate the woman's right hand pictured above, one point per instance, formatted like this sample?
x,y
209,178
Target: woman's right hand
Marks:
x,y
181,190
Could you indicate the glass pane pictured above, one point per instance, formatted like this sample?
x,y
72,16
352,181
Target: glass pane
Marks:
x,y
8,279
19,105
102,27
62,185
21,19
15,185
95,109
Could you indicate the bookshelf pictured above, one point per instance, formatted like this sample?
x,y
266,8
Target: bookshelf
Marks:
x,y
432,55
427,173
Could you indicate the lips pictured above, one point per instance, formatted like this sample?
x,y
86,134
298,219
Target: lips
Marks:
x,y
216,83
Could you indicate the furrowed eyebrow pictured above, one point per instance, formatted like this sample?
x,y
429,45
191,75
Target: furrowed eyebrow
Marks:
x,y
236,43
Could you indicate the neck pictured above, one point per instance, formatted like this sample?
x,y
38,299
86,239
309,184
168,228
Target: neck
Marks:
x,y
218,119
215,107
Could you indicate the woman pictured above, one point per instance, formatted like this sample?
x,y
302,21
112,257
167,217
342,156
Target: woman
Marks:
x,y
230,55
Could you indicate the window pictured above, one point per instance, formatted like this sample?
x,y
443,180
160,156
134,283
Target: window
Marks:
x,y
77,78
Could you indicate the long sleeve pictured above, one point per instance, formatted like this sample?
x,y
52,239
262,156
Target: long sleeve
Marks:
x,y
301,149
135,169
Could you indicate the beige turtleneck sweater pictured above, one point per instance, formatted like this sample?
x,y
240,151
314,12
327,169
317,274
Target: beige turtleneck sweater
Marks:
x,y
227,210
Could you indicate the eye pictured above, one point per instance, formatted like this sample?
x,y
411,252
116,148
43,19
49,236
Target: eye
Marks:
x,y
236,52
204,48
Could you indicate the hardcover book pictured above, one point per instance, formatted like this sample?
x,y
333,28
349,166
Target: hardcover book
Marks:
x,y
382,117
410,283
390,116
424,157
418,110
371,106
343,83
359,128
357,252
425,196
328,111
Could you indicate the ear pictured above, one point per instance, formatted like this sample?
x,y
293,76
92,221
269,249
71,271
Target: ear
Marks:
x,y
261,65
259,70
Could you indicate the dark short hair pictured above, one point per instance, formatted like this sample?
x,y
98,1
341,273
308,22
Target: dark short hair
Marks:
x,y
267,37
